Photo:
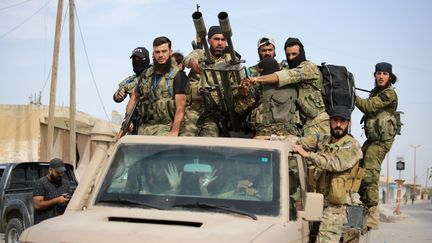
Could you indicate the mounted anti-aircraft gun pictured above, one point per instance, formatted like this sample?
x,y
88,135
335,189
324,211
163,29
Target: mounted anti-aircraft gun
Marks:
x,y
226,76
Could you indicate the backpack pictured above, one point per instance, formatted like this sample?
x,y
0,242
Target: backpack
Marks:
x,y
338,86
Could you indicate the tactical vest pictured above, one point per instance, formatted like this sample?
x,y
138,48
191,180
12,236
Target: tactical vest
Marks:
x,y
384,125
310,100
335,185
277,106
158,103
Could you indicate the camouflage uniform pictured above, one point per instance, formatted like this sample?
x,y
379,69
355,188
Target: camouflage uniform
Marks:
x,y
276,111
307,79
196,107
253,71
128,84
158,106
381,102
337,160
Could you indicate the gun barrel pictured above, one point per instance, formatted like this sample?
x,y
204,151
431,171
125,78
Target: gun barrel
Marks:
x,y
199,25
225,24
227,32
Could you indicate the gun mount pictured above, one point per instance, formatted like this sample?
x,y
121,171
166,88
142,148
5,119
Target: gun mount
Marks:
x,y
226,75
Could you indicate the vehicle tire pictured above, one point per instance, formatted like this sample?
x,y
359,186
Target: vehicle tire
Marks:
x,y
14,229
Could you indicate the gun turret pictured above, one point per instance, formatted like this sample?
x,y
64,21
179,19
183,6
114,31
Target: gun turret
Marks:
x,y
226,74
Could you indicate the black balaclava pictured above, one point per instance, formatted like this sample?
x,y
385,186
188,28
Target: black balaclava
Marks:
x,y
162,68
268,65
300,58
140,65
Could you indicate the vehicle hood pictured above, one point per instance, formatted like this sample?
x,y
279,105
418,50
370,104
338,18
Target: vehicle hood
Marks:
x,y
138,225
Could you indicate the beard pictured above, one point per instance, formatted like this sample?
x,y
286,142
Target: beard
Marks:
x,y
338,132
162,68
56,180
217,53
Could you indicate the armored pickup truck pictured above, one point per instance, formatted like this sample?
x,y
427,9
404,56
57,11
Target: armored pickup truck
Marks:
x,y
16,195
188,189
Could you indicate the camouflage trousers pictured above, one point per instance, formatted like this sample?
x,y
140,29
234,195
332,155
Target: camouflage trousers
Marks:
x,y
320,124
331,226
278,130
154,129
190,128
373,155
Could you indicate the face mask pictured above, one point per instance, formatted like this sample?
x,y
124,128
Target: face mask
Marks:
x,y
139,66
297,60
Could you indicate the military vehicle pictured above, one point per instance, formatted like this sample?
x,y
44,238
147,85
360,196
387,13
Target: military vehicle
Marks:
x,y
188,189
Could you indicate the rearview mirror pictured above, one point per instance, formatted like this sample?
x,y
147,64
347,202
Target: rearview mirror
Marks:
x,y
197,168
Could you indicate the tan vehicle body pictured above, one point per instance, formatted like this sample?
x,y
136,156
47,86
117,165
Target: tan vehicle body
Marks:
x,y
90,217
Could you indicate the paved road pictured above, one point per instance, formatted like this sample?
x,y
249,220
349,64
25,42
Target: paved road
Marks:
x,y
414,228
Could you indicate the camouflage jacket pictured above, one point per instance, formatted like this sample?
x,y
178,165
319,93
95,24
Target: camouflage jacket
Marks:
x,y
333,157
379,100
380,120
308,81
128,84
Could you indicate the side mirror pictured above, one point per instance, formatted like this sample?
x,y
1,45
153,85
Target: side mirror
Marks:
x,y
314,206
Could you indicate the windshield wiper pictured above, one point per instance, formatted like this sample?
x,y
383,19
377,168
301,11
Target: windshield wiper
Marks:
x,y
213,206
130,201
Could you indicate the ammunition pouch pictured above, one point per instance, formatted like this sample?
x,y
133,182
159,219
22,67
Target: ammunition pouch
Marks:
x,y
335,186
355,177
337,191
310,102
382,127
317,179
162,111
278,106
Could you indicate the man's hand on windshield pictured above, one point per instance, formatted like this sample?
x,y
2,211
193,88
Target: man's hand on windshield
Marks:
x,y
174,178
205,180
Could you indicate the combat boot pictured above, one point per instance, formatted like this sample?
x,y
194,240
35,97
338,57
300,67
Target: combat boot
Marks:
x,y
372,220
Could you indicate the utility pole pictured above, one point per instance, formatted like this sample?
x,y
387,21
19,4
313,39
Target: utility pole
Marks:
x,y
50,135
427,177
414,179
72,105
388,183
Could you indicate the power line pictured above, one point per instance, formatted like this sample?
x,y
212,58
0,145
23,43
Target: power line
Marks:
x,y
14,5
91,70
27,19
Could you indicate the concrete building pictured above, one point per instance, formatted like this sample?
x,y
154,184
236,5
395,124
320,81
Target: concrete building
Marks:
x,y
23,134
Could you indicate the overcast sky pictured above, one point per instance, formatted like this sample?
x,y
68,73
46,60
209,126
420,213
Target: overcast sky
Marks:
x,y
357,34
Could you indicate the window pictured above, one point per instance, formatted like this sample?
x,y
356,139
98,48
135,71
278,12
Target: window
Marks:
x,y
242,179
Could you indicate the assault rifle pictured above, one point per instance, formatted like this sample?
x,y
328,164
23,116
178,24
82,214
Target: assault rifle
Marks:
x,y
129,118
222,73
212,110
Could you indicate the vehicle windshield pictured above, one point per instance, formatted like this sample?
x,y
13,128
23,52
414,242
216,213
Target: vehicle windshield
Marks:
x,y
180,177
